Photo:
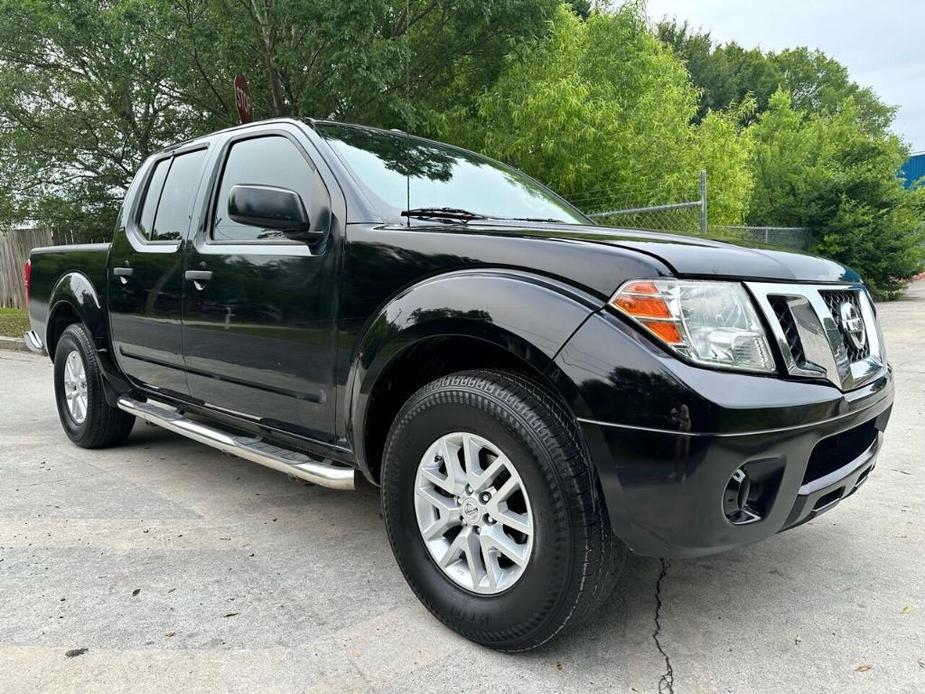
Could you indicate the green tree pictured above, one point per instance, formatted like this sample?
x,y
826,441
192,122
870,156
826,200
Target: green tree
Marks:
x,y
830,173
601,111
819,83
75,114
89,89
382,62
728,74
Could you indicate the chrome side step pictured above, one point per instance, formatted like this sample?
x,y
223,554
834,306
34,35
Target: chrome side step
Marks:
x,y
325,473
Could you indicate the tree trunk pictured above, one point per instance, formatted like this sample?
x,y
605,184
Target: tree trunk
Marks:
x,y
265,12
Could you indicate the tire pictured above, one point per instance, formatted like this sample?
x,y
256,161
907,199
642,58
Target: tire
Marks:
x,y
93,423
573,558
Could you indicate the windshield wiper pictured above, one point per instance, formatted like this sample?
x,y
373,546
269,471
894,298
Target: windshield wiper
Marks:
x,y
451,213
456,214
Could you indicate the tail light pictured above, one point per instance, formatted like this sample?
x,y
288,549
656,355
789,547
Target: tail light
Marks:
x,y
27,279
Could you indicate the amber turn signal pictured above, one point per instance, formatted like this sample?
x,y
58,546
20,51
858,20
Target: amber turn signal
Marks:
x,y
666,331
642,306
643,301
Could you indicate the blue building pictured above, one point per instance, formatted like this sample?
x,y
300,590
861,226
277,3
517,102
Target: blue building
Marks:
x,y
913,169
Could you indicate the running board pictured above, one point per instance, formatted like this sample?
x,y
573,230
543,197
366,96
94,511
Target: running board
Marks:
x,y
325,473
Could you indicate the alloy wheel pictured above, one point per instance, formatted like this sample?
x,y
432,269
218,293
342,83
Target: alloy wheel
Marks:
x,y
75,387
473,513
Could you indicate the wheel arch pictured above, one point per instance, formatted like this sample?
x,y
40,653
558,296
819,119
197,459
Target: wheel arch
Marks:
x,y
463,320
74,299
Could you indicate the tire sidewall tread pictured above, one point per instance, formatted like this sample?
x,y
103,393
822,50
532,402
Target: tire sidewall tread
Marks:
x,y
584,551
103,425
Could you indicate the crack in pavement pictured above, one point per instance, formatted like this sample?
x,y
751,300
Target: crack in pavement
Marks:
x,y
666,681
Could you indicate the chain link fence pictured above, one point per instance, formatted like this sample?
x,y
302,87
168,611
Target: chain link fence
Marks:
x,y
790,238
607,207
689,217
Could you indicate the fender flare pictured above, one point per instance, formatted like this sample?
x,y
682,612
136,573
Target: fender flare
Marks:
x,y
529,315
75,290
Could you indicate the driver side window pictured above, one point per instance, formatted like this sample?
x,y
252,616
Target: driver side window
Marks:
x,y
271,160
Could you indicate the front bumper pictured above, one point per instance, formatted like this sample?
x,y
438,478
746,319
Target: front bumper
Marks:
x,y
670,441
668,493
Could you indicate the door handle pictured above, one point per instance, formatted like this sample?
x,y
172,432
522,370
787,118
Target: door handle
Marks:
x,y
199,277
123,273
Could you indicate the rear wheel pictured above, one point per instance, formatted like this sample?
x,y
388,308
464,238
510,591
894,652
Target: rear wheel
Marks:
x,y
87,419
493,512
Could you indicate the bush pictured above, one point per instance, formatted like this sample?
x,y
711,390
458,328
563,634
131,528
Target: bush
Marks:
x,y
884,246
838,177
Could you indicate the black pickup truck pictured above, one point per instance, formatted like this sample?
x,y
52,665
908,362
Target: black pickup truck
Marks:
x,y
533,393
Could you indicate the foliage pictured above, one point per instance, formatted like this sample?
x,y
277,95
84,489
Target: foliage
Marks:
x,y
586,96
822,155
89,89
828,172
728,74
725,75
601,105
819,83
76,113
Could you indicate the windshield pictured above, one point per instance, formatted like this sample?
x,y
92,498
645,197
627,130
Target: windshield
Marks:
x,y
440,176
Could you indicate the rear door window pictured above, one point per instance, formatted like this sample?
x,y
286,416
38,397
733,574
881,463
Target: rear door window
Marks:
x,y
152,195
172,219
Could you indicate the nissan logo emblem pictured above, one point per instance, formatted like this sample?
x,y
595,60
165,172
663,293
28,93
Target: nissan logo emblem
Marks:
x,y
852,324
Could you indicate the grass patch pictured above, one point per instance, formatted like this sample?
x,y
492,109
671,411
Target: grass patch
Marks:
x,y
14,322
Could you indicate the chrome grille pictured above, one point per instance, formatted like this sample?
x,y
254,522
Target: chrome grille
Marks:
x,y
834,300
789,326
807,325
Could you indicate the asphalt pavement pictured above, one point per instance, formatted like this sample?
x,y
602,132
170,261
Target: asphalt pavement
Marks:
x,y
164,565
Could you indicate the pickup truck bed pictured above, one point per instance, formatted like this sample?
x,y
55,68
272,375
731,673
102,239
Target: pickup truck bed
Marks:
x,y
76,271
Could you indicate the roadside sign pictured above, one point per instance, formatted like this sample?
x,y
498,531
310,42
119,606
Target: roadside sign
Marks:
x,y
242,100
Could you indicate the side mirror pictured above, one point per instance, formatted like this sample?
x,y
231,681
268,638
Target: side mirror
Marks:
x,y
271,208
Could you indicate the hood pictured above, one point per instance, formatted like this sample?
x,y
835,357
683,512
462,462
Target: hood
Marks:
x,y
689,256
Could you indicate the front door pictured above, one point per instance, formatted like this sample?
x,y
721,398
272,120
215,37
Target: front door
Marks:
x,y
259,309
146,273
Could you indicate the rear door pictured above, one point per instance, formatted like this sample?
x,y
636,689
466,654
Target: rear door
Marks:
x,y
259,309
146,272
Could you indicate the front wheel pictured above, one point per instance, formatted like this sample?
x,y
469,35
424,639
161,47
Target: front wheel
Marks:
x,y
493,512
87,419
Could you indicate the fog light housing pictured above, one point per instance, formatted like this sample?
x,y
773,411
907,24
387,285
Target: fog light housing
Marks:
x,y
736,497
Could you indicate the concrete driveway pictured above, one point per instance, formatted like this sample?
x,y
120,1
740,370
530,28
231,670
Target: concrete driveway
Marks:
x,y
164,565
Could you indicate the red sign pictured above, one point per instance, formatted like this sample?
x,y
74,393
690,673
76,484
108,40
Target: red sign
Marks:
x,y
242,100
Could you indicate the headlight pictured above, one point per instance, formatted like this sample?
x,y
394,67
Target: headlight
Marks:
x,y
710,323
